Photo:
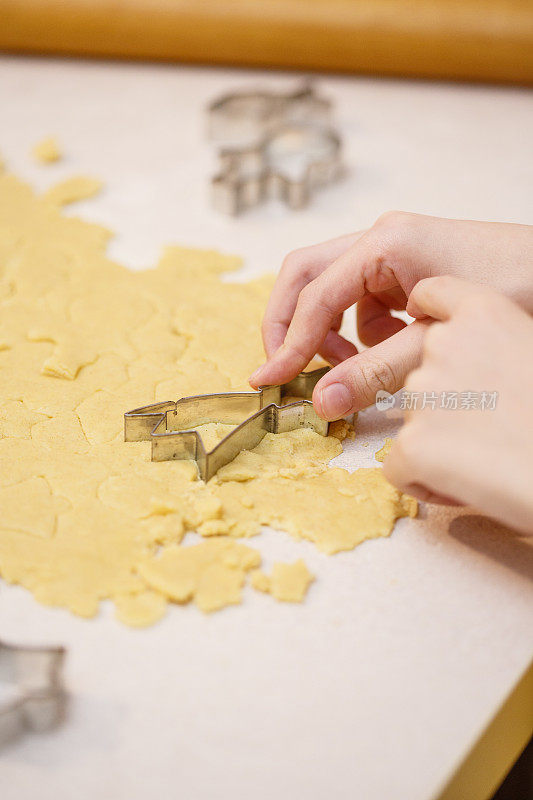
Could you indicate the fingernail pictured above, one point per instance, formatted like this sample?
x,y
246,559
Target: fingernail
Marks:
x,y
335,401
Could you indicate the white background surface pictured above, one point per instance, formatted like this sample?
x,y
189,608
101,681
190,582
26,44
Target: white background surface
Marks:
x,y
405,647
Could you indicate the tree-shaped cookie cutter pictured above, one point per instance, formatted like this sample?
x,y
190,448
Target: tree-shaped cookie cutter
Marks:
x,y
286,148
169,425
36,697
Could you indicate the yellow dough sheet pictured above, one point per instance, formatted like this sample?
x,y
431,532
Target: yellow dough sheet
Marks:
x,y
86,517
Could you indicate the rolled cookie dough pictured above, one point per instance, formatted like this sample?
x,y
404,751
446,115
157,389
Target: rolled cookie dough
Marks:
x,y
87,517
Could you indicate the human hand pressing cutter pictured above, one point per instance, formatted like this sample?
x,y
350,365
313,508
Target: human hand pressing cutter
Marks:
x,y
472,338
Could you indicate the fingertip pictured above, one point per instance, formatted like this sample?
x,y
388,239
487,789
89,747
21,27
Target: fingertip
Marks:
x,y
254,380
425,495
439,295
275,371
415,298
332,397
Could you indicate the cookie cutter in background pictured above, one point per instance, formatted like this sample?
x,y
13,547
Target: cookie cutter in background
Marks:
x,y
255,413
288,165
36,698
272,146
244,118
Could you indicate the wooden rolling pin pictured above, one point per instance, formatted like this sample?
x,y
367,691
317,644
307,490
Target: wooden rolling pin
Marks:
x,y
488,40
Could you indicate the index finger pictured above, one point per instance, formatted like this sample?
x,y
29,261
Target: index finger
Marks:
x,y
298,269
352,275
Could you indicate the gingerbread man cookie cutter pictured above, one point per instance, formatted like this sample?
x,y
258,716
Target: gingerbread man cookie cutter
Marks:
x,y
168,425
33,697
285,149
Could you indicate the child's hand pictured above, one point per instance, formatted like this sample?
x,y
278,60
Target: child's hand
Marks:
x,y
377,269
481,457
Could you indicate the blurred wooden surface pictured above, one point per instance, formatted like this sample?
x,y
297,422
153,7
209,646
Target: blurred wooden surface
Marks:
x,y
489,40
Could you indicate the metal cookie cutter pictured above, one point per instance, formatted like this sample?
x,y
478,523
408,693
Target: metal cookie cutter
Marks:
x,y
255,413
31,676
273,146
289,164
245,117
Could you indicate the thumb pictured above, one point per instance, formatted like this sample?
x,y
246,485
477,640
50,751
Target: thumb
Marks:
x,y
353,384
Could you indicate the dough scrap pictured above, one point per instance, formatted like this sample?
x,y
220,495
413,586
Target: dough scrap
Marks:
x,y
288,582
87,517
47,150
382,454
343,429
212,573
140,610
70,190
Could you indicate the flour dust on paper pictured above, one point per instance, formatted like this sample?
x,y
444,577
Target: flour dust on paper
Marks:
x,y
86,517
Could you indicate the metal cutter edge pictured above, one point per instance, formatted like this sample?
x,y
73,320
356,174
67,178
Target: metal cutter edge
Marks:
x,y
169,425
